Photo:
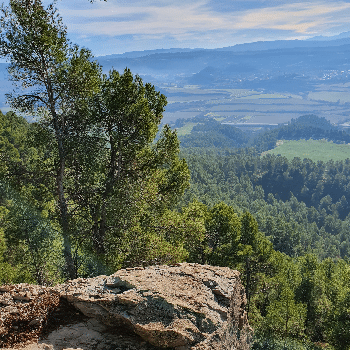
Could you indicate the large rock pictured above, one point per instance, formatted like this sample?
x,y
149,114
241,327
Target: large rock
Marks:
x,y
187,306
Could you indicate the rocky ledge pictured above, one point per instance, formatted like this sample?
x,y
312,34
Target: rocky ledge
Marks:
x,y
185,306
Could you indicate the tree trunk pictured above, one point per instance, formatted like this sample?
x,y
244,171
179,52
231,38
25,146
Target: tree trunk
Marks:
x,y
99,228
64,216
67,249
99,212
248,276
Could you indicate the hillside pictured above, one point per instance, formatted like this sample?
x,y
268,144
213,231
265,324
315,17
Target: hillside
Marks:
x,y
218,133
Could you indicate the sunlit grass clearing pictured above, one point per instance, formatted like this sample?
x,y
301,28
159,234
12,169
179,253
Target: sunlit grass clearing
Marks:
x,y
186,129
313,149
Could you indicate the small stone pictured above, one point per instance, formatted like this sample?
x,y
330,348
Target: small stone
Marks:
x,y
6,301
12,310
21,296
35,322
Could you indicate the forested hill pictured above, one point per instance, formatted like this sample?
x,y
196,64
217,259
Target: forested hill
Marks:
x,y
301,205
304,127
208,132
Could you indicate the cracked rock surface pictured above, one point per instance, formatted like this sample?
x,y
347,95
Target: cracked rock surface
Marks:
x,y
177,307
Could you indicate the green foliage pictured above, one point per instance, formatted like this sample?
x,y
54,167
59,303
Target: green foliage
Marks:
x,y
274,343
305,299
298,299
301,206
53,80
21,221
5,269
207,132
121,187
223,234
93,143
122,184
11,272
284,315
33,244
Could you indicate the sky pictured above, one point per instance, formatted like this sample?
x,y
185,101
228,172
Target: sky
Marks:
x,y
119,26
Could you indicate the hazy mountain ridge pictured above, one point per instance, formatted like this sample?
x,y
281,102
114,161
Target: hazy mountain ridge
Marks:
x,y
303,59
318,41
304,70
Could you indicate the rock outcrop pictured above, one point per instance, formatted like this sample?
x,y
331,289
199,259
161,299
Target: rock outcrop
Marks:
x,y
186,306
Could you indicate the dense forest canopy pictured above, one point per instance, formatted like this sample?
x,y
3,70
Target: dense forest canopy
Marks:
x,y
90,187
301,206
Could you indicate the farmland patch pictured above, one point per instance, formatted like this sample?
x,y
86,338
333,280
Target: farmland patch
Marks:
x,y
312,149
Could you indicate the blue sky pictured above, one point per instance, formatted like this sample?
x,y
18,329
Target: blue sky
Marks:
x,y
119,26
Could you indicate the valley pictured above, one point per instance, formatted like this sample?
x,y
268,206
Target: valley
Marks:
x,y
256,106
264,82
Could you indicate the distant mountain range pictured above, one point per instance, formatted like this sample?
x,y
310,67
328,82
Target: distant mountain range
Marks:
x,y
293,66
317,41
259,64
315,74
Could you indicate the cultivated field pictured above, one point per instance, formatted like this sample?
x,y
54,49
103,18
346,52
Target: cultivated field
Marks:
x,y
313,149
235,105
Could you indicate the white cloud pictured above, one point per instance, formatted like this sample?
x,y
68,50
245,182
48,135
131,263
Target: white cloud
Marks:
x,y
181,19
174,19
304,18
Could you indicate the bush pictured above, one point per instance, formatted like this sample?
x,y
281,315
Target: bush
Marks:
x,y
271,343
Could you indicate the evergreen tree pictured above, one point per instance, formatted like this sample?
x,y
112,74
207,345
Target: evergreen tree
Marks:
x,y
52,77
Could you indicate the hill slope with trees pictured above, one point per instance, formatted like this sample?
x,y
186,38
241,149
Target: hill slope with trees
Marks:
x,y
208,132
89,188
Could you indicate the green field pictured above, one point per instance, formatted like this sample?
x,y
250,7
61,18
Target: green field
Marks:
x,y
186,129
312,149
